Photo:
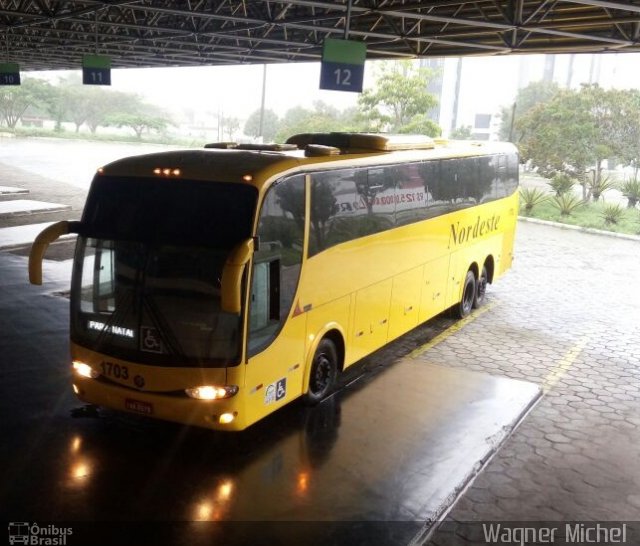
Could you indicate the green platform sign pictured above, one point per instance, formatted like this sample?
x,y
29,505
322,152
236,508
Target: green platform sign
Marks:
x,y
342,65
9,74
96,70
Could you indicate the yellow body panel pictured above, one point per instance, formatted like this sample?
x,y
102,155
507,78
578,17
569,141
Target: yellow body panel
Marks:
x,y
279,366
371,322
434,288
405,302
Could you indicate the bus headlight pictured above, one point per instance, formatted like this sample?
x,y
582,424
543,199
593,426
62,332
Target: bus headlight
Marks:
x,y
226,418
84,370
211,392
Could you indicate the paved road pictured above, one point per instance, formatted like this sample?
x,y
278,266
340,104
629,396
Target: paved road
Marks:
x,y
56,171
71,162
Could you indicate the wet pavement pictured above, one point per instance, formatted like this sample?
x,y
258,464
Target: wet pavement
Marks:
x,y
395,444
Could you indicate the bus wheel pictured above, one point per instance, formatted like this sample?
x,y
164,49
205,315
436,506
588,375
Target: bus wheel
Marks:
x,y
324,370
481,289
464,306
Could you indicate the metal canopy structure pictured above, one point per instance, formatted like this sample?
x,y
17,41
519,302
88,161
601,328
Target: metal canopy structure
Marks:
x,y
54,34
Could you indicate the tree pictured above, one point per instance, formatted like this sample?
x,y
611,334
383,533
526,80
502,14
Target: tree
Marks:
x,y
102,105
464,132
630,132
15,100
139,122
96,106
556,135
62,99
323,118
576,130
269,125
399,100
230,126
527,98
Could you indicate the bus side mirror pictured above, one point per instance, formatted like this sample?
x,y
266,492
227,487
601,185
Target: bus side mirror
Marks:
x,y
232,277
42,242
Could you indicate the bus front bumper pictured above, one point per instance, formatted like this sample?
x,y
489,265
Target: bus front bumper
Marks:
x,y
213,414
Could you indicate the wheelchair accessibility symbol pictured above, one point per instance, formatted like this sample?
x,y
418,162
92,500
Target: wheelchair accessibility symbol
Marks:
x,y
276,391
150,340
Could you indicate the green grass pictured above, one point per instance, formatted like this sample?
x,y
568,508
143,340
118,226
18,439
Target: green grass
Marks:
x,y
589,216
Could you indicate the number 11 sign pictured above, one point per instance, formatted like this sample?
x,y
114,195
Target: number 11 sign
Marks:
x,y
342,65
96,70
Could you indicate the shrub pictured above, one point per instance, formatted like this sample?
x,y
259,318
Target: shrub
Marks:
x,y
530,197
561,184
631,190
598,187
612,213
566,203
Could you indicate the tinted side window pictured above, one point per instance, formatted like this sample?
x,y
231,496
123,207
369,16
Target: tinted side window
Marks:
x,y
412,191
469,191
276,265
333,194
507,175
513,164
482,190
349,203
376,190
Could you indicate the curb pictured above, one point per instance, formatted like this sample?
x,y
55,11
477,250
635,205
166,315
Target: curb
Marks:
x,y
593,231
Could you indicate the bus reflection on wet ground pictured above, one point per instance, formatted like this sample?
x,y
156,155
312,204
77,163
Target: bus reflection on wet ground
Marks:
x,y
382,457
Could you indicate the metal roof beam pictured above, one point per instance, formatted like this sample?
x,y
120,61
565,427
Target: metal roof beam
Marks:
x,y
624,6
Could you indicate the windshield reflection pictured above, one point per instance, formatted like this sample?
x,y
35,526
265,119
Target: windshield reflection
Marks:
x,y
155,303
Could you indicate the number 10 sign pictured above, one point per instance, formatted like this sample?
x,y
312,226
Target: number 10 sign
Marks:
x,y
342,65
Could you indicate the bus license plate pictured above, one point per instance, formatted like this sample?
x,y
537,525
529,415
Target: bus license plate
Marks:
x,y
138,406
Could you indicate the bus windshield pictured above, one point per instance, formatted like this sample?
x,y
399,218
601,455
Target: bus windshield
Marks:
x,y
148,267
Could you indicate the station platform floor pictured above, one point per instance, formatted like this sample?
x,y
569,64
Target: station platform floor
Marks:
x,y
395,445
565,319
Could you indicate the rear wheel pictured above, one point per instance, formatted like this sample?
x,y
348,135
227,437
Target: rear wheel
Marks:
x,y
481,289
324,370
464,306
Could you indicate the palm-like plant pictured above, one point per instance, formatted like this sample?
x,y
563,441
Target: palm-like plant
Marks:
x,y
599,185
561,183
530,197
567,203
631,190
612,213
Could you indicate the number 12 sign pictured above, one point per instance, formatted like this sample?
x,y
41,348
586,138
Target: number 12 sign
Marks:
x,y
342,65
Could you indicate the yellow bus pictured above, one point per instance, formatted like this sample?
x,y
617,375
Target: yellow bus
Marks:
x,y
211,287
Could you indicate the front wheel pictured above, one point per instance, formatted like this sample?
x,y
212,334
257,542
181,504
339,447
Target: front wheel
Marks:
x,y
481,289
464,306
324,370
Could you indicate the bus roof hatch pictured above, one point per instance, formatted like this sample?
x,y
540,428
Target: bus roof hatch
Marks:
x,y
364,141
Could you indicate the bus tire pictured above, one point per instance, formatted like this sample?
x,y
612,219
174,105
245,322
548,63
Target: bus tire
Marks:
x,y
464,306
324,370
481,288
